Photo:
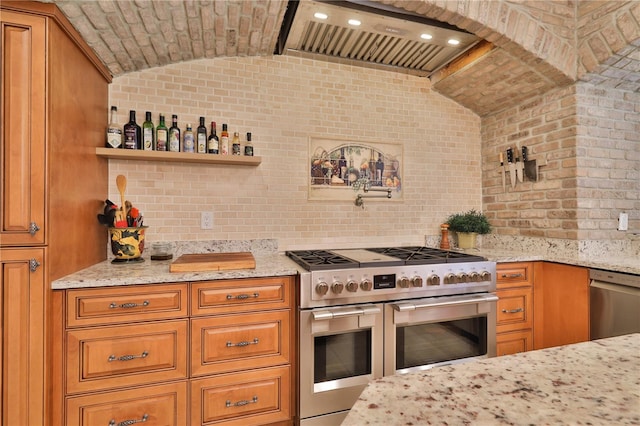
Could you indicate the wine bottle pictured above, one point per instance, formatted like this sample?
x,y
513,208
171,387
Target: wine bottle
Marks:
x,y
224,140
162,135
188,143
148,140
174,135
132,133
235,144
342,165
248,148
114,133
202,137
379,169
213,143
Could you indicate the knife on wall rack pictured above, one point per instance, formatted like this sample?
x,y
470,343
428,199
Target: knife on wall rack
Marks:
x,y
512,167
502,171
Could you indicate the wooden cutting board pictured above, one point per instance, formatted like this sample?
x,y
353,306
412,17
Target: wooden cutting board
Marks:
x,y
213,262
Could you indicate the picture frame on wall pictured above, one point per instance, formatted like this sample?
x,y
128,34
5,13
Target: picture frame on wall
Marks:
x,y
340,168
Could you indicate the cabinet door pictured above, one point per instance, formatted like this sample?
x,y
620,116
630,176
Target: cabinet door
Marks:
x,y
22,309
561,305
514,342
22,138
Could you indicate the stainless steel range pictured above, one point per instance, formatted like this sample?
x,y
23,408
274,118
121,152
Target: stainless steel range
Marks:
x,y
365,313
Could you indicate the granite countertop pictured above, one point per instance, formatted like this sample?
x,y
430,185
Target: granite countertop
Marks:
x,y
595,382
107,274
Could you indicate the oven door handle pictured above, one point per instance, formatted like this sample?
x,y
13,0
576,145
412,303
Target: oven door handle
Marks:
x,y
327,314
444,301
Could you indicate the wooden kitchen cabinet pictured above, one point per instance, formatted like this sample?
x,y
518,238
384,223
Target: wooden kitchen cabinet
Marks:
x,y
515,313
561,304
53,111
222,349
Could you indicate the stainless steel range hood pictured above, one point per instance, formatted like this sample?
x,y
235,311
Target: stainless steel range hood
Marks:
x,y
386,37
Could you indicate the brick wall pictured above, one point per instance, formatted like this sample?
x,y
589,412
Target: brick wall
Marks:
x,y
282,101
589,138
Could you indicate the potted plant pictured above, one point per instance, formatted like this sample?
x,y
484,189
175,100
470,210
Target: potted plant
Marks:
x,y
468,225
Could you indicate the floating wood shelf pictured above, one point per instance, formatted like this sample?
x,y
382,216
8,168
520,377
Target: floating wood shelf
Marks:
x,y
180,157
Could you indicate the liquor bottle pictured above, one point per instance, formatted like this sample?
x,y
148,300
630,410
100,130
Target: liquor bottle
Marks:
x,y
148,140
132,133
114,133
224,140
188,143
174,135
202,137
162,135
379,169
248,148
213,143
235,145
342,165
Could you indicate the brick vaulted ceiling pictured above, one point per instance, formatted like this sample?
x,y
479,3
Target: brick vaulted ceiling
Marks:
x,y
532,46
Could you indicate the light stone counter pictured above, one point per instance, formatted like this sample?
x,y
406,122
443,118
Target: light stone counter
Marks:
x,y
595,383
269,263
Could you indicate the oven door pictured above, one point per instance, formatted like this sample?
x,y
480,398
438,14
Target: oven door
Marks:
x,y
423,333
340,352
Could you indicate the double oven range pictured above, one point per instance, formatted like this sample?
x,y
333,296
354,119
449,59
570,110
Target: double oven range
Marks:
x,y
368,313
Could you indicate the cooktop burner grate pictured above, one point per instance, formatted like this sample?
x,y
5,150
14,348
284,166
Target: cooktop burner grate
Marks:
x,y
317,260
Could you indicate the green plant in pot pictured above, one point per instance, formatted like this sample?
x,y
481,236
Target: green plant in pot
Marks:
x,y
468,225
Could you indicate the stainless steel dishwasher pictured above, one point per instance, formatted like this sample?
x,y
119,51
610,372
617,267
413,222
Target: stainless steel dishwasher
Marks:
x,y
614,303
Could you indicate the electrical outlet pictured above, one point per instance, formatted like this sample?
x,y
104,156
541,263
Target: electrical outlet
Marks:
x,y
623,221
206,220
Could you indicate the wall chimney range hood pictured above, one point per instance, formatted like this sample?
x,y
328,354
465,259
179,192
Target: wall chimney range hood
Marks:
x,y
386,38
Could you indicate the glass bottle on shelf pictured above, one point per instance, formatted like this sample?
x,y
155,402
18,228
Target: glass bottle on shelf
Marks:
x,y
188,143
379,169
148,140
201,138
224,140
213,144
248,148
342,165
114,133
132,133
235,145
174,135
162,135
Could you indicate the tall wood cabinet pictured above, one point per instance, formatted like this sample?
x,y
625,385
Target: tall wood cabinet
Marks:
x,y
53,111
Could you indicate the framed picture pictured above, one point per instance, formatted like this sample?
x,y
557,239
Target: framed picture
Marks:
x,y
339,169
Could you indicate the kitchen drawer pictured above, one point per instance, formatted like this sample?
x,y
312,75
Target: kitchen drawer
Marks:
x,y
514,309
514,275
232,296
255,397
239,342
117,356
514,342
162,405
115,305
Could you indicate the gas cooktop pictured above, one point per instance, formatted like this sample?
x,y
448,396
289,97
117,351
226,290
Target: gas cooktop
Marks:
x,y
317,260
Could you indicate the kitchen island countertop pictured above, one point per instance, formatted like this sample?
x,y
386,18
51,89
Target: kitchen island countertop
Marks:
x,y
595,382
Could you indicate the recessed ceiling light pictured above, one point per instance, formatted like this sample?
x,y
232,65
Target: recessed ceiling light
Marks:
x,y
453,42
426,36
354,22
320,15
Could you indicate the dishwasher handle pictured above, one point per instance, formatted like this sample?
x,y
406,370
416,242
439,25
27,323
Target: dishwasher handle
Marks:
x,y
616,288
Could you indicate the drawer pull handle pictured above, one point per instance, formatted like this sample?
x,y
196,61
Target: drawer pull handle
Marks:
x,y
511,275
128,305
243,296
127,357
33,228
144,418
241,403
512,311
243,343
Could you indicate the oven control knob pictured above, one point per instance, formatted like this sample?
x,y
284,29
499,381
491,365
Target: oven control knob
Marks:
x,y
449,279
433,280
416,281
463,277
485,276
403,282
337,287
474,277
352,286
322,288
366,285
